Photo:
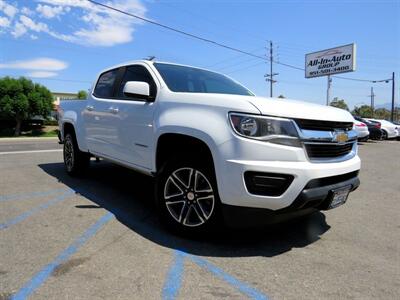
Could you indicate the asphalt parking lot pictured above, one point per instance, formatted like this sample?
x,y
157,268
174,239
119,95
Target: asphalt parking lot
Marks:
x,y
97,237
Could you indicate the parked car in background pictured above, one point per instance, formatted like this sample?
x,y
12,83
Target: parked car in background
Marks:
x,y
362,130
374,128
398,129
389,129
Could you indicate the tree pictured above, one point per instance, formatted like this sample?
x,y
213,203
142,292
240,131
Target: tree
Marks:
x,y
339,103
364,111
21,99
82,94
382,113
281,97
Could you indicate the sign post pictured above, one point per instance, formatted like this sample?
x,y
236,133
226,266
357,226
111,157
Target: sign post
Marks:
x,y
328,90
330,61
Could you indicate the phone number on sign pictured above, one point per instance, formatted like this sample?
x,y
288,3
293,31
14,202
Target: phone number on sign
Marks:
x,y
329,71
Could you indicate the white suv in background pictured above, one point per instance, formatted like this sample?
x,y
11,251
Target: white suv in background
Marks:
x,y
217,151
362,130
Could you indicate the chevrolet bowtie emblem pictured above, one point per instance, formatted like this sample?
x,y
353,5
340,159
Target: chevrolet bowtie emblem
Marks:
x,y
341,137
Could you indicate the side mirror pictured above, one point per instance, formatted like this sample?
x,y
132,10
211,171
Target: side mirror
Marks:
x,y
137,89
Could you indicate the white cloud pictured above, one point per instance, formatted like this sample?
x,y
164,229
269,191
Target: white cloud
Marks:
x,y
8,9
33,37
27,11
102,27
50,12
92,25
4,22
44,63
32,25
41,74
19,30
25,24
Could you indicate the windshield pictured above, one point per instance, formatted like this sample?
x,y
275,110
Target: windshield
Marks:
x,y
192,80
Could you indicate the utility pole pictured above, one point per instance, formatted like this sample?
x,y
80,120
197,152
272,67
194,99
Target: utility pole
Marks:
x,y
392,112
328,90
270,77
372,101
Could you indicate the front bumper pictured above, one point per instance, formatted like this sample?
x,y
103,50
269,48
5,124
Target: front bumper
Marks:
x,y
233,191
315,196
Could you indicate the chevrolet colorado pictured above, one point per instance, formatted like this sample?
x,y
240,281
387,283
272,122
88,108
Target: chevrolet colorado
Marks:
x,y
217,151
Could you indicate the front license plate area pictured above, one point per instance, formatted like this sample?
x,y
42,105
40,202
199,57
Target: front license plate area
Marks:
x,y
339,196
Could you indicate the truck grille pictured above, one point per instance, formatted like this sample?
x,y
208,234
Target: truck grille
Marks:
x,y
328,150
323,125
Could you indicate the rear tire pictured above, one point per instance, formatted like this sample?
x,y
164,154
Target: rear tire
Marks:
x,y
75,161
187,196
384,135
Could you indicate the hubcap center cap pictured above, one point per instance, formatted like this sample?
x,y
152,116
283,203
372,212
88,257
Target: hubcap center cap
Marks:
x,y
190,196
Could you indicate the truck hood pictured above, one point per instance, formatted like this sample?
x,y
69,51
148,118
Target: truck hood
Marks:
x,y
265,106
299,110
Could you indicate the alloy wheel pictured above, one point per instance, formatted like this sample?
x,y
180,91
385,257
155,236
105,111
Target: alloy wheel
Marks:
x,y
189,197
69,153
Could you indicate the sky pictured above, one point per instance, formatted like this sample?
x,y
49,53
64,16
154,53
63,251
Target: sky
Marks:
x,y
64,44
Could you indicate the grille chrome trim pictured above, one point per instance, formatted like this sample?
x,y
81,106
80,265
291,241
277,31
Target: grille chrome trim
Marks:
x,y
324,136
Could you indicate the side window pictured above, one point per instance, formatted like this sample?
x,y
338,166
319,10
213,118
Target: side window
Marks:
x,y
105,84
137,73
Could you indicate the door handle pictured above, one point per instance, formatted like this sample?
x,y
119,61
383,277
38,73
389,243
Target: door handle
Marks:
x,y
90,107
113,110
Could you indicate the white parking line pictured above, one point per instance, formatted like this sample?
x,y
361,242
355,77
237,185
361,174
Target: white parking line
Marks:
x,y
31,151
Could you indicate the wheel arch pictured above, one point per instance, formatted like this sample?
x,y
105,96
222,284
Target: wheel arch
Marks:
x,y
67,127
172,144
70,127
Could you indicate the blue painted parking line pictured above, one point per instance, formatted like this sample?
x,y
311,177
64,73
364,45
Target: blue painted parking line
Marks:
x,y
174,277
36,209
23,196
251,292
39,278
175,274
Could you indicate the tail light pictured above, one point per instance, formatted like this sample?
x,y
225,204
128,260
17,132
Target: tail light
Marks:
x,y
361,125
378,125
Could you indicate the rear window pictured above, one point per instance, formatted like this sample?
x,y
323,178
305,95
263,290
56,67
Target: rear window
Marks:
x,y
105,84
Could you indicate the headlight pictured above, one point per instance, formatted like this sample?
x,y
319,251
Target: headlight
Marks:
x,y
270,129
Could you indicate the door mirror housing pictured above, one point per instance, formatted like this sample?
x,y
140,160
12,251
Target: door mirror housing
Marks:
x,y
137,89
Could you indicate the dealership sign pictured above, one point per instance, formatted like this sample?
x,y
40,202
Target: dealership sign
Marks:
x,y
331,61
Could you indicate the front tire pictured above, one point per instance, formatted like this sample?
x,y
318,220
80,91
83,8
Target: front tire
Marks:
x,y
187,196
75,161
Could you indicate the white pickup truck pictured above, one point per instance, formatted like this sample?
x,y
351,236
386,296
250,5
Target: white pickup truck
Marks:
x,y
218,152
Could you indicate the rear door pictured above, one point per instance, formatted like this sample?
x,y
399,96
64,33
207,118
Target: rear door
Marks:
x,y
99,115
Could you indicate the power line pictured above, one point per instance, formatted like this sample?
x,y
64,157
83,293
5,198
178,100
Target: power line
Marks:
x,y
212,21
177,30
210,41
245,68
191,35
230,59
241,62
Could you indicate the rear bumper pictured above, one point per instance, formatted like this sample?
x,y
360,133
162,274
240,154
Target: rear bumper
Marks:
x,y
315,196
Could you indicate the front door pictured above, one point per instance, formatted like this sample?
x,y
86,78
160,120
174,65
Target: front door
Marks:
x,y
134,121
